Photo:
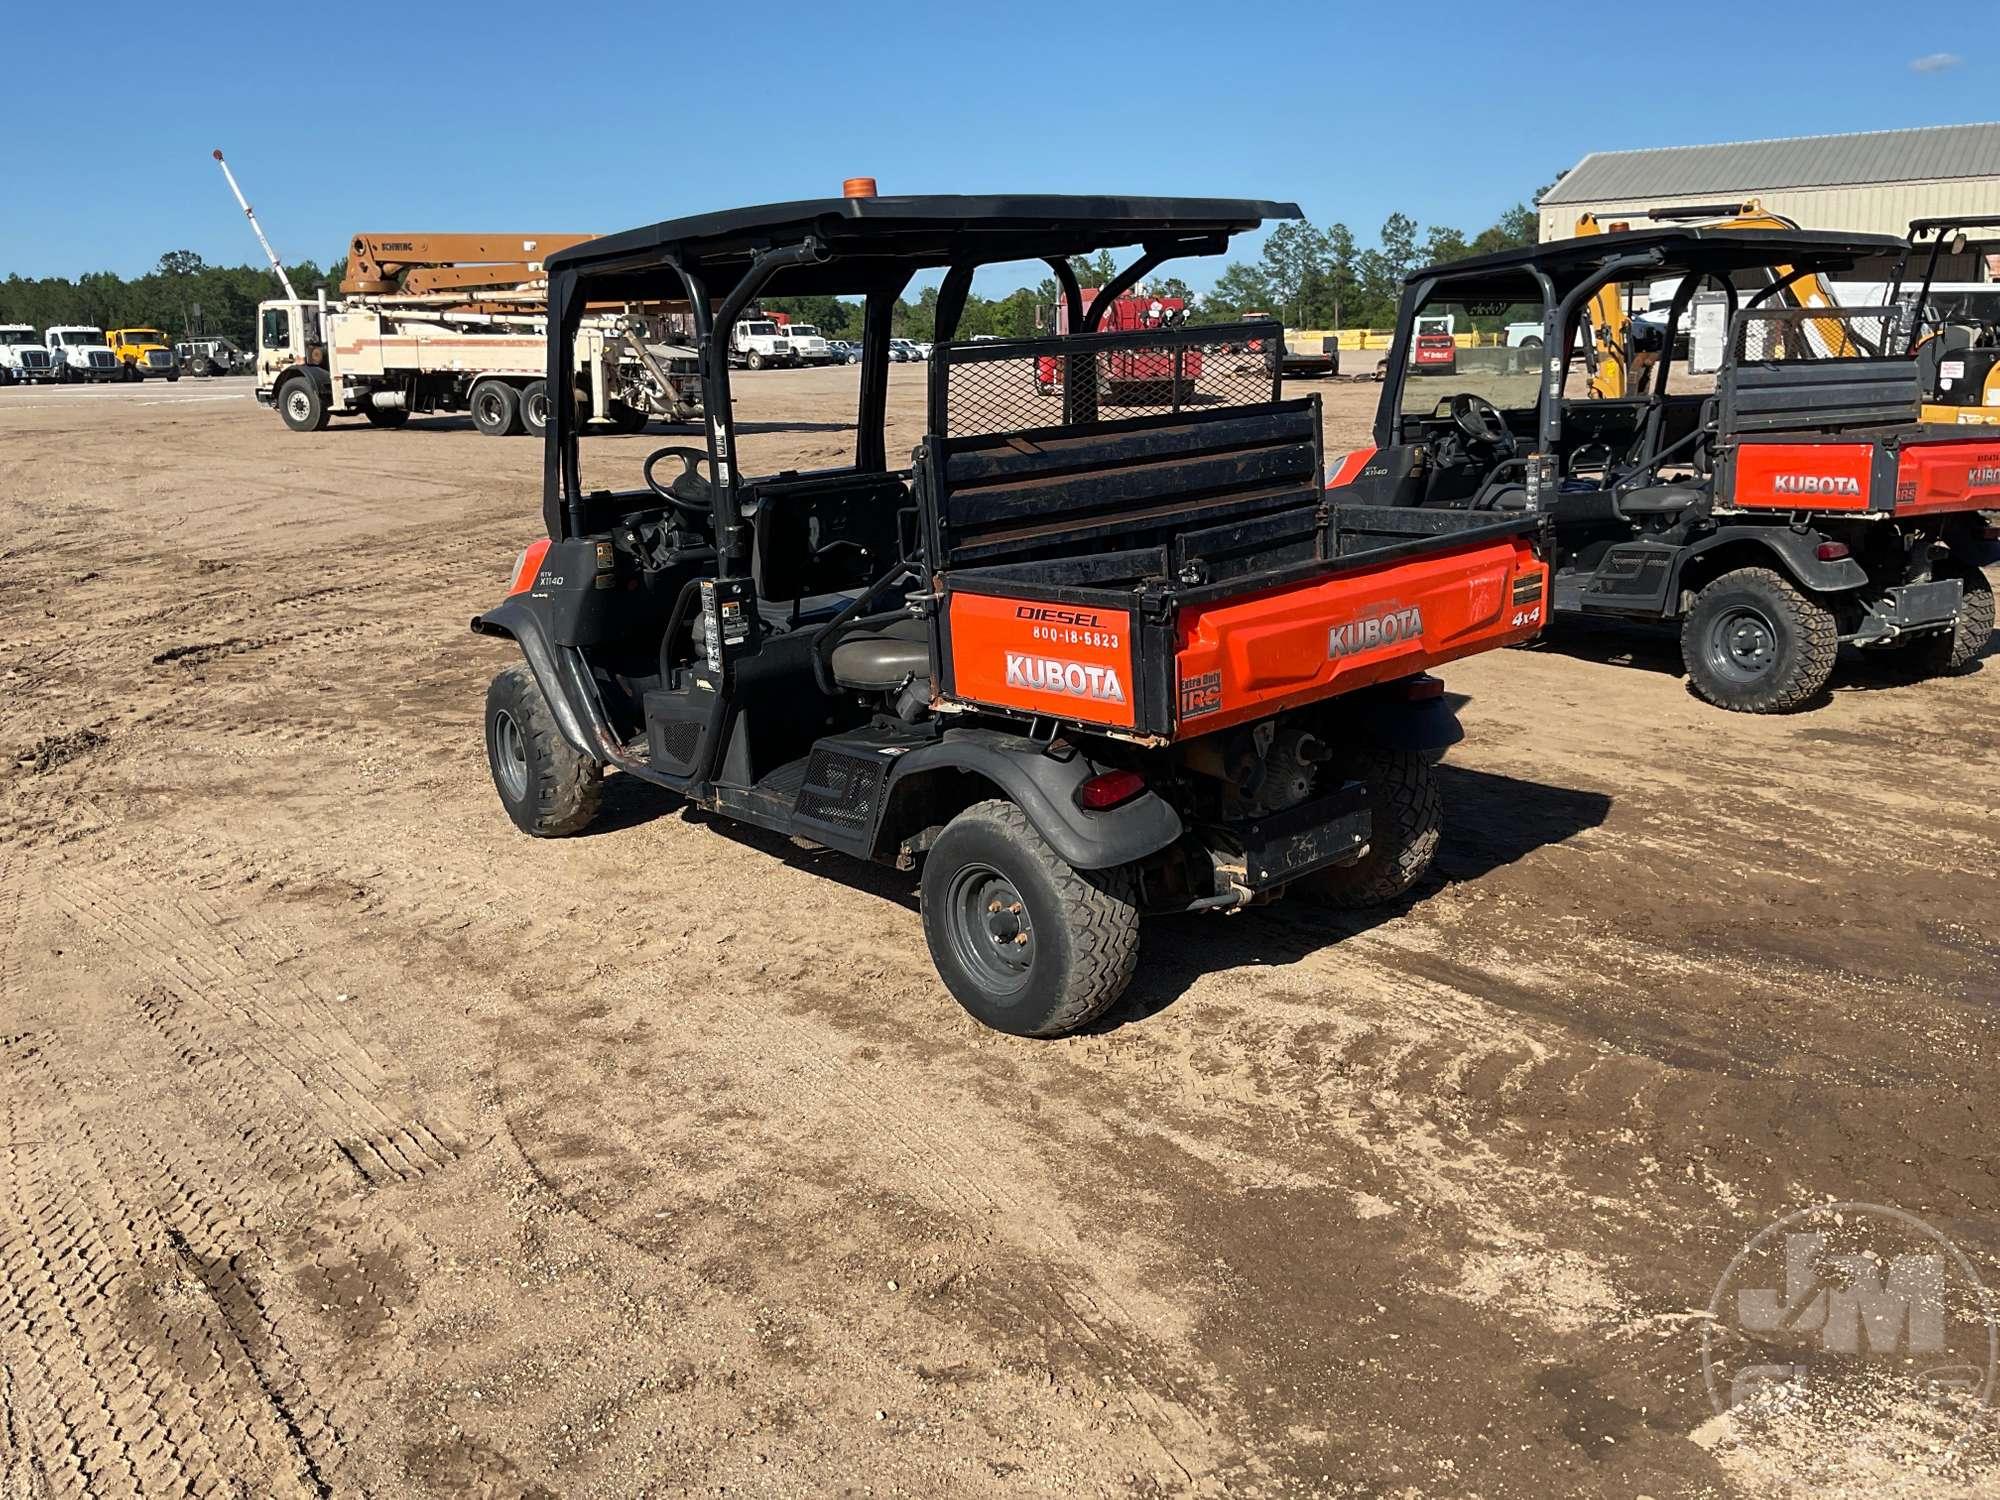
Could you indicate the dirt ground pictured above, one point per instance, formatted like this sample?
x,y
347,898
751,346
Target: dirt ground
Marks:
x,y
357,1145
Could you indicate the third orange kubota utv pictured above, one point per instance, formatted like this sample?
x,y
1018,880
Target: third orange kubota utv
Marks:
x,y
1101,647
1748,461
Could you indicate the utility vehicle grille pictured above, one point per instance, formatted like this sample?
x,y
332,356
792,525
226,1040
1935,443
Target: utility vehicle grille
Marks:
x,y
101,359
1021,384
158,358
34,359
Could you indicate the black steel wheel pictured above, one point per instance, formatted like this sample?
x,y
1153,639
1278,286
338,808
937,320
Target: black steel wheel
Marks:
x,y
1755,643
1027,944
302,404
548,787
496,408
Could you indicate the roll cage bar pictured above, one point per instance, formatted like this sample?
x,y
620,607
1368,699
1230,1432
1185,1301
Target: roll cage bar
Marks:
x,y
1930,235
871,247
1570,272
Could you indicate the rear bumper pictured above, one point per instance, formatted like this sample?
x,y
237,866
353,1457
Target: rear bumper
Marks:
x,y
1911,608
1285,846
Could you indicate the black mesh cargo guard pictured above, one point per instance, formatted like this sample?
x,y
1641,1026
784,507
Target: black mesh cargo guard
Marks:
x,y
1019,385
1810,369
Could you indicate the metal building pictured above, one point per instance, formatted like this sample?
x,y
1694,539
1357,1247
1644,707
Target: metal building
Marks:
x,y
1875,181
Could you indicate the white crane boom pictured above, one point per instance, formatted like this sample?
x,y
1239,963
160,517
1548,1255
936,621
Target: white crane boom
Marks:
x,y
258,229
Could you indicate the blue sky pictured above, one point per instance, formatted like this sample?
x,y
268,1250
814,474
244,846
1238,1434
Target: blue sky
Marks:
x,y
622,114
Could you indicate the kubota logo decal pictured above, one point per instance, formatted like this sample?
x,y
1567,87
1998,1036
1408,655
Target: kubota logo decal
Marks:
x,y
1378,630
1045,674
1984,474
1816,484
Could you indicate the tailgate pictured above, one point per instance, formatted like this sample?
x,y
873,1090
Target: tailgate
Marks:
x,y
1954,474
1417,589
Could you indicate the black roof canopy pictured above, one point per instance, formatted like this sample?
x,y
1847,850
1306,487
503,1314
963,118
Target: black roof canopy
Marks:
x,y
874,242
1683,249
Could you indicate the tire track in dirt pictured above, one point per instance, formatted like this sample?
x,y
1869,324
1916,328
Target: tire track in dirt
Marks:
x,y
1051,1300
228,976
140,1392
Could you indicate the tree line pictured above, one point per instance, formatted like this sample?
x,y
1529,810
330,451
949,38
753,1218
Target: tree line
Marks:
x,y
1308,277
166,298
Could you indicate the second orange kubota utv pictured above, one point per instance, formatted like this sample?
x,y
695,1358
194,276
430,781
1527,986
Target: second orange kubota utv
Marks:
x,y
1101,647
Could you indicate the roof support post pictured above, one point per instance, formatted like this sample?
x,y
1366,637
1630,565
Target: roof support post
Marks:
x,y
732,541
870,443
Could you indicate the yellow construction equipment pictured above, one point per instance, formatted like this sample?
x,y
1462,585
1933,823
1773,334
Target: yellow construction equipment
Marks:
x,y
1616,369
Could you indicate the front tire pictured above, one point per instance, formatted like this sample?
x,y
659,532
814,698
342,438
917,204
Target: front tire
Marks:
x,y
1754,643
303,405
1406,824
548,788
754,360
1026,943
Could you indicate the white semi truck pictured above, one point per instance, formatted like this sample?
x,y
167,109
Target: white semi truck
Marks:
x,y
80,353
382,358
23,356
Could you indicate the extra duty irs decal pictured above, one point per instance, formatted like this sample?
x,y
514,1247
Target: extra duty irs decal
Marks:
x,y
1201,695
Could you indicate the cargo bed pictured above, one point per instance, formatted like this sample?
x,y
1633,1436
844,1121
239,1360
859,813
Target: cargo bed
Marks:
x,y
1178,572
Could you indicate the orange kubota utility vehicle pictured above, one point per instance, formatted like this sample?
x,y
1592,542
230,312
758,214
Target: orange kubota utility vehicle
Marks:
x,y
1080,660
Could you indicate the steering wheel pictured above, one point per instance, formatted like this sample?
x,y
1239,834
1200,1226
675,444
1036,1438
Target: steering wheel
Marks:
x,y
690,493
1480,422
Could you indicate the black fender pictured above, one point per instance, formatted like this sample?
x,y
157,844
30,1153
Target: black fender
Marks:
x,y
318,374
559,671
1796,553
1043,785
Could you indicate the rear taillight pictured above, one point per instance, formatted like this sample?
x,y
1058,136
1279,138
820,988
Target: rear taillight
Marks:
x,y
1831,551
527,565
1423,687
1108,789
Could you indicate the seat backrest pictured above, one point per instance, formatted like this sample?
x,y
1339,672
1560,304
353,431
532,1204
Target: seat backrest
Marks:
x,y
823,533
1115,486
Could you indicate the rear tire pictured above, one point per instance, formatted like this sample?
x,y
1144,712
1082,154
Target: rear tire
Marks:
x,y
1027,944
1755,644
1406,824
1946,652
496,408
535,408
303,404
548,788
